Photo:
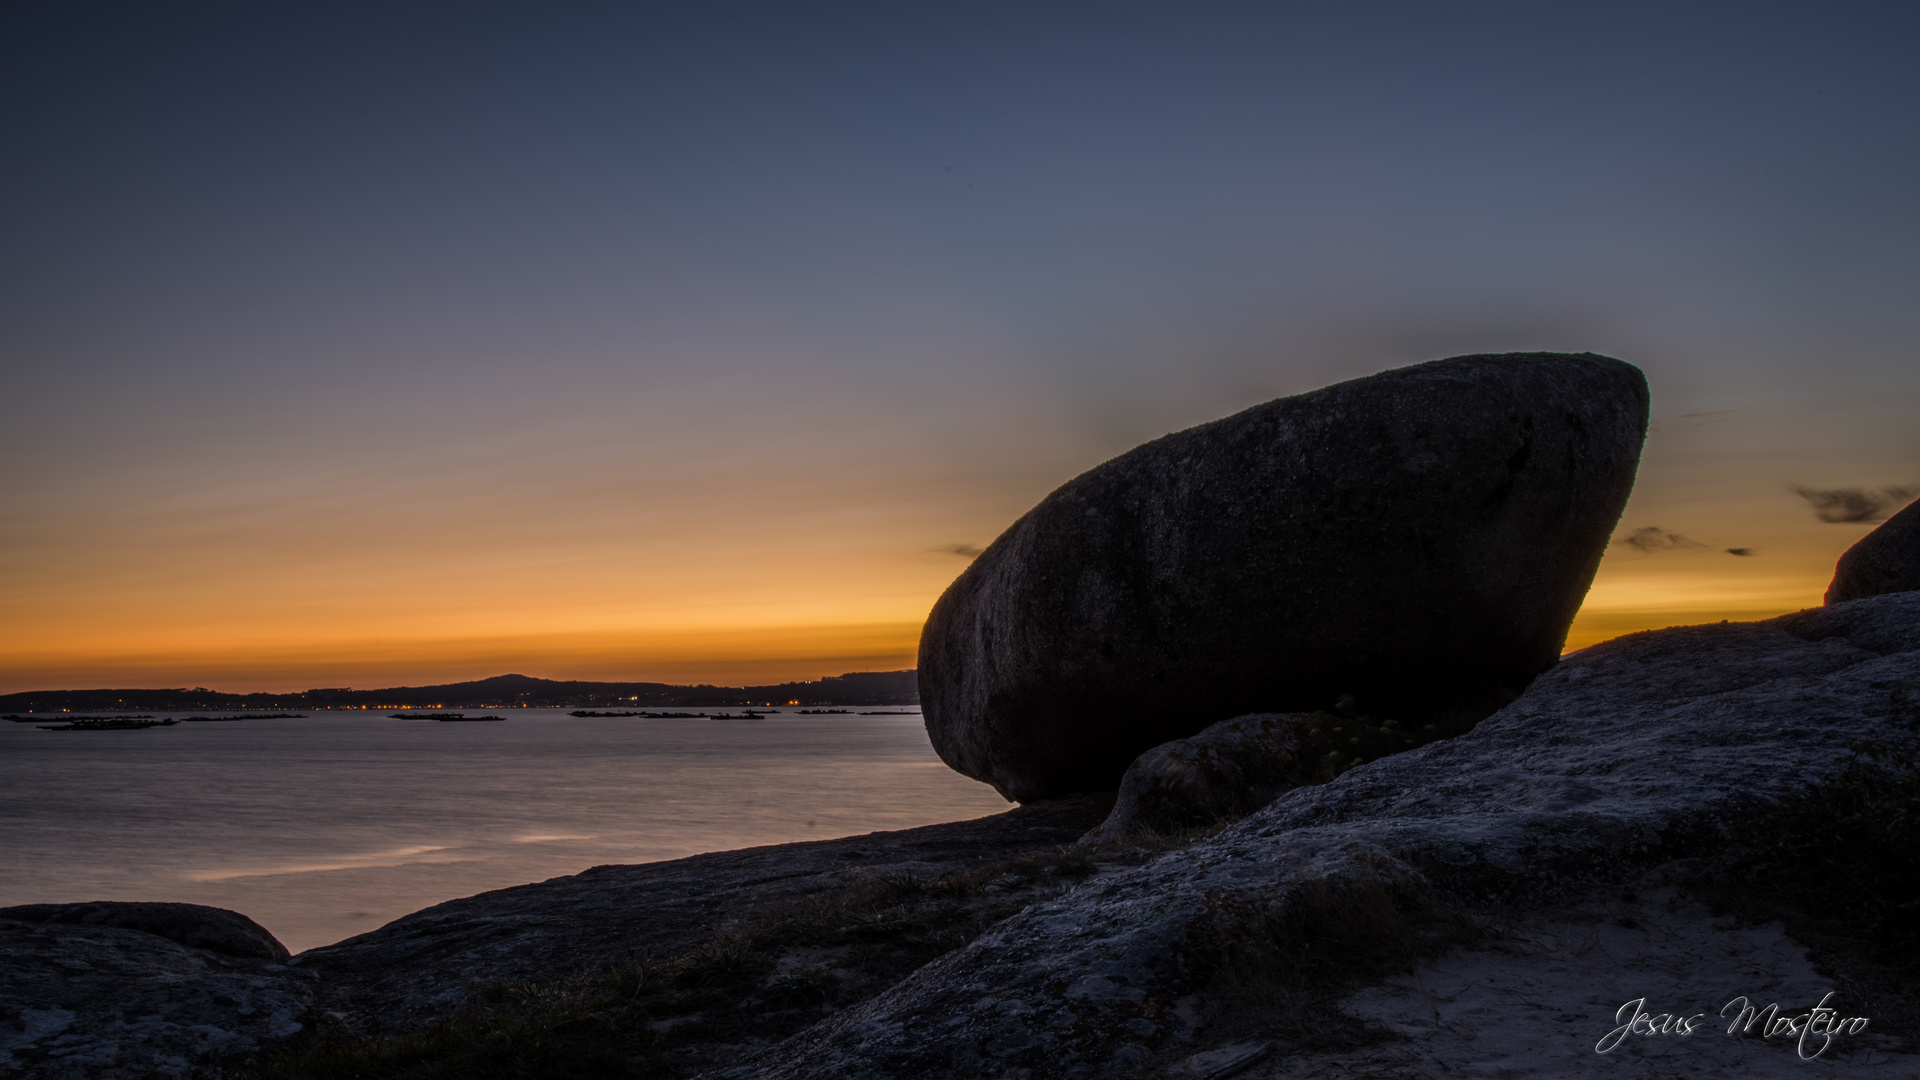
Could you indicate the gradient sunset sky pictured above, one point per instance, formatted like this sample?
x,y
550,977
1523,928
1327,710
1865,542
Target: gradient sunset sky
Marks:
x,y
402,343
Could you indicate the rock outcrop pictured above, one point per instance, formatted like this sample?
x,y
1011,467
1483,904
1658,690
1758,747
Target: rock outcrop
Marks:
x,y
1229,770
1886,560
1625,756
1419,539
99,999
196,926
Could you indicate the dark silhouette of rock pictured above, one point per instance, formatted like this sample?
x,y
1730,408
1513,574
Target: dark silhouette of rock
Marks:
x,y
1886,560
1229,770
1419,539
228,933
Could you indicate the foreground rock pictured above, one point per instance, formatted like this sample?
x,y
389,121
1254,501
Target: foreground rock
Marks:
x,y
1420,539
1886,560
85,997
1627,755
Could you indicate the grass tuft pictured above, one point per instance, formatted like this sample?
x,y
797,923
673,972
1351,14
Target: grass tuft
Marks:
x,y
1848,849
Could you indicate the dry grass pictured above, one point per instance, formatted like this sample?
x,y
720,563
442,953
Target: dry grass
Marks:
x,y
1278,973
676,1015
1840,866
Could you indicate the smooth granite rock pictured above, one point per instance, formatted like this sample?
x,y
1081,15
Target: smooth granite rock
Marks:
x,y
1419,539
1886,560
196,926
1229,770
1626,756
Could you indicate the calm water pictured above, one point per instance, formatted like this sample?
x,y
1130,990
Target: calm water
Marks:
x,y
326,827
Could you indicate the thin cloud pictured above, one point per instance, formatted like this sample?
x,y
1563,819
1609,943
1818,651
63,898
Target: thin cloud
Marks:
x,y
1718,416
1745,553
1652,538
964,550
1839,506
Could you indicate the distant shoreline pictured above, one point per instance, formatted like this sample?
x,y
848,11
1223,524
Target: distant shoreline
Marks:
x,y
855,689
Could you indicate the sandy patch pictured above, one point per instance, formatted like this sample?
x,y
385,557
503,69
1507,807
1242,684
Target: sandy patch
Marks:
x,y
1538,999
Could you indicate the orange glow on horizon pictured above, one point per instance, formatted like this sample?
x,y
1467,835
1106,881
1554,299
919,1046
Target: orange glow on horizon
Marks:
x,y
1627,596
1614,608
736,657
733,580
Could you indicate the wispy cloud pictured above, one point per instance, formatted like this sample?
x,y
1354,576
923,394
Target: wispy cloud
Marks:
x,y
965,550
1698,419
1719,416
1652,538
1744,553
1843,505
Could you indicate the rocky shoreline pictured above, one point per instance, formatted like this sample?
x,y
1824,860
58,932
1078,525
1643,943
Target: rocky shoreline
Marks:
x,y
1484,879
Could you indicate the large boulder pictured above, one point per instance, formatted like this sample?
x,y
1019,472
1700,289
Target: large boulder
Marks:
x,y
1418,539
1886,560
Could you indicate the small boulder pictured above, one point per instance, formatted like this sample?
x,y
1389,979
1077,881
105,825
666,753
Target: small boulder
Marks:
x,y
228,933
1227,771
1420,539
1886,560
94,1000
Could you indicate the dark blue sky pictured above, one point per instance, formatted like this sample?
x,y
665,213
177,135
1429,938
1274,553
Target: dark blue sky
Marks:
x,y
604,264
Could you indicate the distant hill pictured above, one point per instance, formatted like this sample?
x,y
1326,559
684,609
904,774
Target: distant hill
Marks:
x,y
501,691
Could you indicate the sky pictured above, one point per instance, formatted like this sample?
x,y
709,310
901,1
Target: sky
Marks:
x,y
360,345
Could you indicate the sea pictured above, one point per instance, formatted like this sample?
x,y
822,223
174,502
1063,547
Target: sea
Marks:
x,y
332,824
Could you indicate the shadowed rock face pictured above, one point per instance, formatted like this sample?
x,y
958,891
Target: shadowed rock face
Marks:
x,y
1886,560
196,926
1231,769
131,991
1420,539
